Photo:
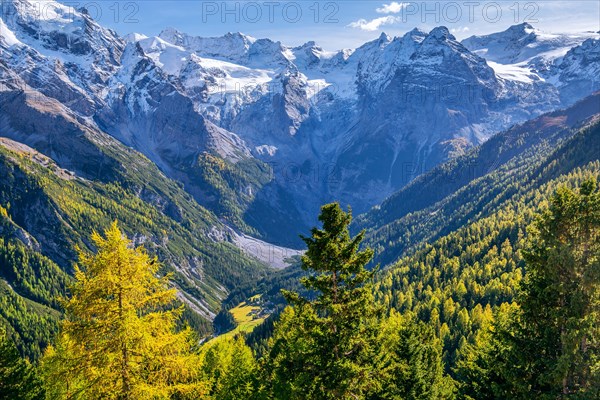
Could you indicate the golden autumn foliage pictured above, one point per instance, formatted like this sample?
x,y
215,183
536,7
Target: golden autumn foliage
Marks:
x,y
119,339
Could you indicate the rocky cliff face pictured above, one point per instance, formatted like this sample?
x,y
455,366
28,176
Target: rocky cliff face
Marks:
x,y
293,126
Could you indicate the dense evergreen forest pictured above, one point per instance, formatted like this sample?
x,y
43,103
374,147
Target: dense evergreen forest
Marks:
x,y
353,332
486,289
234,217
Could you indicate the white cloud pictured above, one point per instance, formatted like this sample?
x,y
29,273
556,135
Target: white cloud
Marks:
x,y
392,8
373,24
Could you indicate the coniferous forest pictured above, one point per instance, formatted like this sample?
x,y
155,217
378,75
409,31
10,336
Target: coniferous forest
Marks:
x,y
119,335
201,215
492,292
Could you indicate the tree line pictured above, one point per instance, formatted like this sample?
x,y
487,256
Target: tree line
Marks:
x,y
120,337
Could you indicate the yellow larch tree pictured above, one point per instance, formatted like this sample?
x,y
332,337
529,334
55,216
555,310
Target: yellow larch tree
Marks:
x,y
119,339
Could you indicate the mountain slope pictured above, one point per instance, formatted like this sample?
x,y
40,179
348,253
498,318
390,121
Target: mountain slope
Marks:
x,y
458,190
449,177
457,280
455,260
49,211
262,133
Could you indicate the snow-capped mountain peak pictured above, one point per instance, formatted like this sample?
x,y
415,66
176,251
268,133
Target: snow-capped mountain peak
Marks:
x,y
51,27
391,102
384,39
173,36
233,47
134,37
524,54
521,30
523,43
440,33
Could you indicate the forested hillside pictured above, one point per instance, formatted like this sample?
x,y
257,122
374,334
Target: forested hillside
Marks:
x,y
187,217
119,337
47,213
482,222
455,282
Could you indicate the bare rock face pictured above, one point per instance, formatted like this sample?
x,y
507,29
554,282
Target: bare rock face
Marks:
x,y
48,126
579,71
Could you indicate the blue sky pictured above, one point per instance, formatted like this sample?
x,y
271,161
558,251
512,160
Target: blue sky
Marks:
x,y
340,24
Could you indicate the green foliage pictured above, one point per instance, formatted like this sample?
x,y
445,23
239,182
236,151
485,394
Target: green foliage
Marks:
x,y
224,322
31,274
269,289
477,369
32,325
561,293
118,338
456,281
550,346
322,350
29,286
51,214
334,343
230,369
409,361
229,188
18,379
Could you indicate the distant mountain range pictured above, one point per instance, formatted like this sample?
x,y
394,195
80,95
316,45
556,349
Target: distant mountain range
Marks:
x,y
261,133
215,153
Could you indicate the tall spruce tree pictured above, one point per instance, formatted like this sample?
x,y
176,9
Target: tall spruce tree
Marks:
x,y
561,295
548,347
323,346
118,339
